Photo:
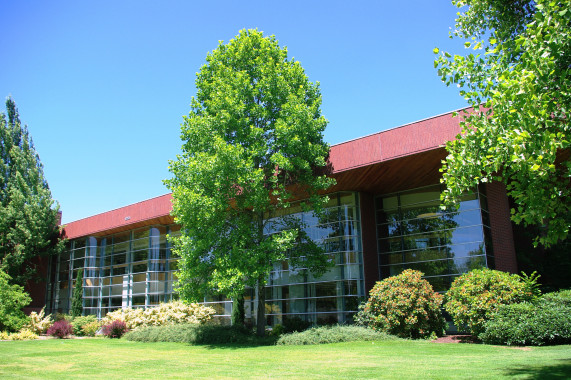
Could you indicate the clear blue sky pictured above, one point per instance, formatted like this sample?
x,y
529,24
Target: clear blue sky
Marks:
x,y
103,85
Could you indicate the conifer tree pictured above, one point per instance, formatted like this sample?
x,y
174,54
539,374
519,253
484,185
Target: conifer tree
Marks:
x,y
28,215
77,299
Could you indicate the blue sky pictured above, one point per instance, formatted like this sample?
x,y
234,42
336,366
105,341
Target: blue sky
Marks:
x,y
103,85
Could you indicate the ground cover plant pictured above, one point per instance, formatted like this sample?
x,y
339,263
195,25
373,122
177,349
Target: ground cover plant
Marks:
x,y
404,305
198,334
394,359
332,334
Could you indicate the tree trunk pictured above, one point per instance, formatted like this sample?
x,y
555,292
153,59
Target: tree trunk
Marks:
x,y
261,318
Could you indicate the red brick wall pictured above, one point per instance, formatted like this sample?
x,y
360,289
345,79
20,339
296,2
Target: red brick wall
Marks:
x,y
369,240
500,223
37,290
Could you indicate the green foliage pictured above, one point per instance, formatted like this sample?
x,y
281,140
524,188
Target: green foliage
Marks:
x,y
197,334
293,324
77,297
79,322
252,143
28,217
169,313
12,299
542,323
332,334
238,311
404,305
562,297
90,329
531,285
476,296
38,323
519,71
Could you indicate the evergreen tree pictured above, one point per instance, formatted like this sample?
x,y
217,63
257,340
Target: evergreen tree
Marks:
x,y
28,215
77,299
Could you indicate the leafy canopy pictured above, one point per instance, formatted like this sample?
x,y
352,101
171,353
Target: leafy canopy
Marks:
x,y
12,299
252,143
28,216
517,81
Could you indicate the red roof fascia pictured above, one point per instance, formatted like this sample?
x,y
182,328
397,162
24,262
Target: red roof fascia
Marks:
x,y
394,143
387,145
132,214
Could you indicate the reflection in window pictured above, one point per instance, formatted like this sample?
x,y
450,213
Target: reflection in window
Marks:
x,y
414,232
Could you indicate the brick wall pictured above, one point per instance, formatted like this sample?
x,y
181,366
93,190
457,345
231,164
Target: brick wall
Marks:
x,y
500,223
369,240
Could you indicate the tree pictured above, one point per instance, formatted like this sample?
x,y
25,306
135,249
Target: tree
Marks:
x,y
518,132
77,298
28,216
252,144
12,299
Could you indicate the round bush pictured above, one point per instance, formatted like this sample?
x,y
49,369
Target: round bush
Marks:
x,y
477,295
115,329
404,305
60,329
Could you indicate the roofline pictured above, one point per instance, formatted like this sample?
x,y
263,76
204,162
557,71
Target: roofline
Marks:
x,y
401,126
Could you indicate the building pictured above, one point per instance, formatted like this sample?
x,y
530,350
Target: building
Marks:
x,y
383,216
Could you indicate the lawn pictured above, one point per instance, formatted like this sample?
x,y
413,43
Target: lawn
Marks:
x,y
102,358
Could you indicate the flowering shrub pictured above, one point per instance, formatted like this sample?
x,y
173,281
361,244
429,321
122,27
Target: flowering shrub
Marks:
x,y
38,323
404,305
164,314
477,295
115,329
60,329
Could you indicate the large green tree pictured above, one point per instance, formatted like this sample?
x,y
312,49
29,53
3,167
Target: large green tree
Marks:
x,y
28,215
252,143
517,81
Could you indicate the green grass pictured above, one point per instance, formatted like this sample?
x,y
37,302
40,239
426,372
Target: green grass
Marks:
x,y
102,358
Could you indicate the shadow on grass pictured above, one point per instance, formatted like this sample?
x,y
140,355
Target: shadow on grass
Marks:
x,y
557,371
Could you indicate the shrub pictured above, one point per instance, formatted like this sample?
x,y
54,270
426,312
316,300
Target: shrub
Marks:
x,y
562,297
115,329
404,305
23,334
38,323
332,334
164,314
526,323
198,334
79,322
60,329
4,335
90,329
293,324
12,299
477,295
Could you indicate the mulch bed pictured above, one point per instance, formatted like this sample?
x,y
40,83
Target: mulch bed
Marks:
x,y
456,339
